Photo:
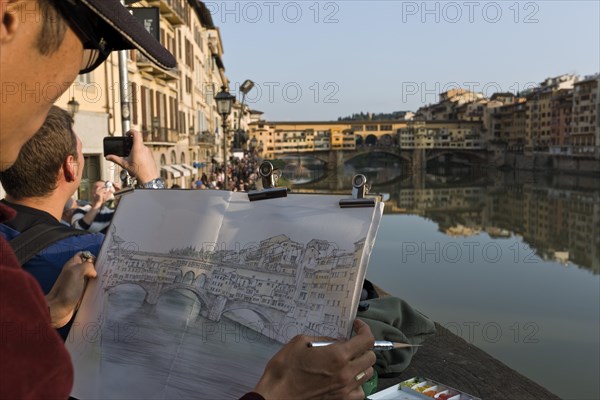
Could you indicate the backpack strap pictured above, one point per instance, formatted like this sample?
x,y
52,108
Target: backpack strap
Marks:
x,y
39,236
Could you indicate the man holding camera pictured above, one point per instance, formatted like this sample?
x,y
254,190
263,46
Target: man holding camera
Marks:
x,y
47,42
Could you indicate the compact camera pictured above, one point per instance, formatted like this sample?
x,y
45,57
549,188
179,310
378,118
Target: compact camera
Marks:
x,y
118,145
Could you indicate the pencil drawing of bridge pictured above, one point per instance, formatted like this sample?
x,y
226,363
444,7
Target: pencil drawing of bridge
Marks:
x,y
281,282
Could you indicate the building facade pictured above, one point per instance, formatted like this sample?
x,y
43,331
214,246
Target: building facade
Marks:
x,y
175,110
585,127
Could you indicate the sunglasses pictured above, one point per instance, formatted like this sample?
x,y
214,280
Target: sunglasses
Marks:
x,y
89,29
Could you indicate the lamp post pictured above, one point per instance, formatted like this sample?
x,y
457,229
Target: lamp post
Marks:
x,y
253,144
244,88
224,103
260,148
73,107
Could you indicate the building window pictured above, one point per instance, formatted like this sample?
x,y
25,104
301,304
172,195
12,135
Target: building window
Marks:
x,y
188,84
173,113
91,174
182,122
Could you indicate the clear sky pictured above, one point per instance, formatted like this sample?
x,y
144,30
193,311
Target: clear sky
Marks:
x,y
318,60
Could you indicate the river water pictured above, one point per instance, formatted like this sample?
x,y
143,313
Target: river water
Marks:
x,y
508,261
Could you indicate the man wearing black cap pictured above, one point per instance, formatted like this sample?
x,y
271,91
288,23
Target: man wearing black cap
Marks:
x,y
44,44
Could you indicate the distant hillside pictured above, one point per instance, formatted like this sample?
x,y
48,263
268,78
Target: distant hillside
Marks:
x,y
361,116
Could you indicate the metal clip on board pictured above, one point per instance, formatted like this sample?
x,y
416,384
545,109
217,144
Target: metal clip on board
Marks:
x,y
269,182
359,190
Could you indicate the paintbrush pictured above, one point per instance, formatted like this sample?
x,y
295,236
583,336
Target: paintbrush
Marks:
x,y
378,345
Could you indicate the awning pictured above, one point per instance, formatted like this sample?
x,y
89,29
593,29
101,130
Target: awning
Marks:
x,y
183,171
189,168
168,168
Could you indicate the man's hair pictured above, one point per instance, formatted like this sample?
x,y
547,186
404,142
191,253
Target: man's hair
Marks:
x,y
53,29
35,172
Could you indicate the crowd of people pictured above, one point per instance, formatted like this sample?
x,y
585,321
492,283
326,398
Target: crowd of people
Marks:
x,y
46,43
241,175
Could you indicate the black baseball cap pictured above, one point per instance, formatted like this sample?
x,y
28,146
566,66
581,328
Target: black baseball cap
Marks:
x,y
106,25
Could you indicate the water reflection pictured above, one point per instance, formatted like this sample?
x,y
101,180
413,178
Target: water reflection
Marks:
x,y
300,170
558,217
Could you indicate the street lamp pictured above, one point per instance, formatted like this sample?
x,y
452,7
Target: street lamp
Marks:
x,y
260,148
73,107
244,88
253,143
224,103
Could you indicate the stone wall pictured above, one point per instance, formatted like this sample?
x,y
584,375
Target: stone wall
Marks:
x,y
544,162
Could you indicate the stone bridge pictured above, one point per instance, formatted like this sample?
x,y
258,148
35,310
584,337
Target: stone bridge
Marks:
x,y
416,158
213,305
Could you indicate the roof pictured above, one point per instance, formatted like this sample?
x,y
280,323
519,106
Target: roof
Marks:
x,y
501,94
588,80
203,13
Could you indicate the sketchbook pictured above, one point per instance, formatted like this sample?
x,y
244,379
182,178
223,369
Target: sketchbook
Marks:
x,y
197,290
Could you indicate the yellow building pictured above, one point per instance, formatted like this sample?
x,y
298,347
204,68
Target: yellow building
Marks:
x,y
442,135
539,120
510,123
285,137
175,110
275,138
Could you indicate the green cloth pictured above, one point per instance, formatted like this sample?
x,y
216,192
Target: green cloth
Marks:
x,y
393,319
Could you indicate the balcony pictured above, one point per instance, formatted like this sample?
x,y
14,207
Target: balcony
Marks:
x,y
202,138
159,136
145,65
172,10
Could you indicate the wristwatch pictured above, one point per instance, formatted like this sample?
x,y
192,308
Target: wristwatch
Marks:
x,y
157,183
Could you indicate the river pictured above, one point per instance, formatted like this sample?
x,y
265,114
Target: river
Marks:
x,y
508,261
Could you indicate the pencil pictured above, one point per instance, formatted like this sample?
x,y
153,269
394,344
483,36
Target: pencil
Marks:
x,y
378,345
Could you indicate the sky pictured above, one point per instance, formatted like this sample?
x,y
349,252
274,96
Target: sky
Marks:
x,y
319,60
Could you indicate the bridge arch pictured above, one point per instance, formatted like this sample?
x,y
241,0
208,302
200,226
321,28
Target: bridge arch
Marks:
x,y
366,150
359,140
434,154
188,278
261,311
140,286
144,290
204,299
371,140
201,280
178,276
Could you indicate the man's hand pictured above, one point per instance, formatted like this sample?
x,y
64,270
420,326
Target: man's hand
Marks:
x,y
140,162
332,372
65,295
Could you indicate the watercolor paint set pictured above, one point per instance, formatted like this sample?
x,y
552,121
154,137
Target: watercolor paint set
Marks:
x,y
421,388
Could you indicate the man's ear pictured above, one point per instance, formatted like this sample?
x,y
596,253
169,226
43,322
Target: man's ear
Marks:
x,y
9,19
69,168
